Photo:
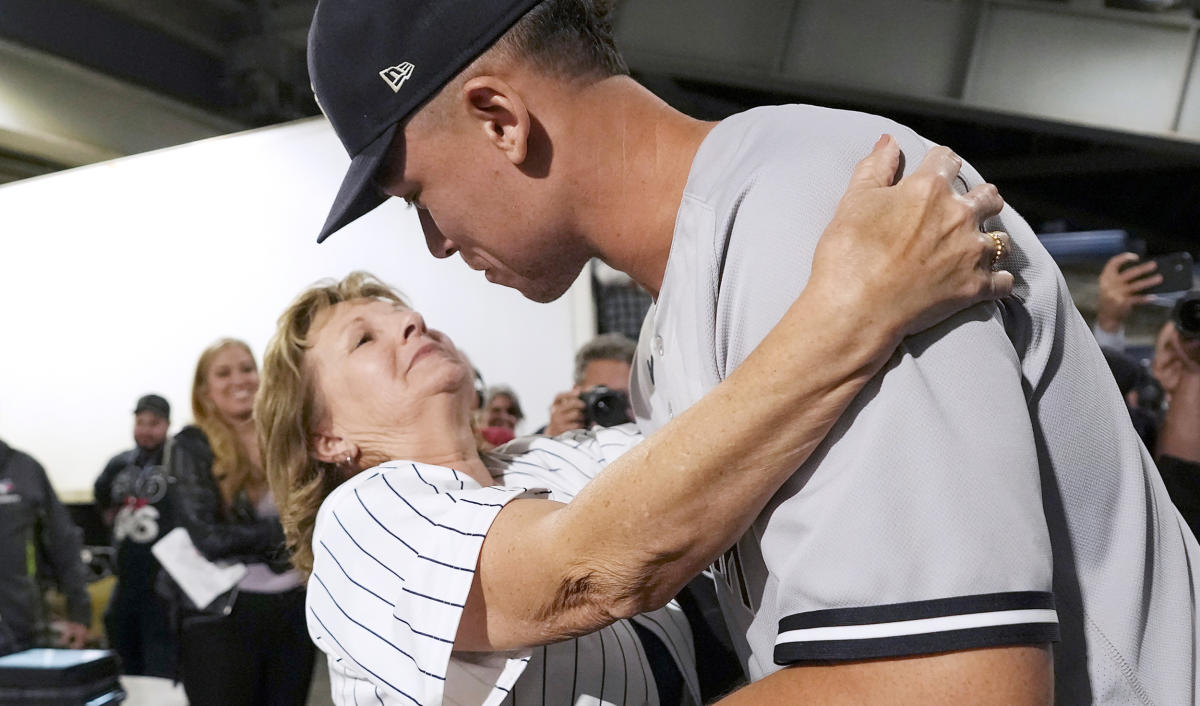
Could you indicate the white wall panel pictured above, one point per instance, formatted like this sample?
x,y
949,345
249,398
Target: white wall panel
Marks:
x,y
1114,70
1189,113
911,47
744,34
115,276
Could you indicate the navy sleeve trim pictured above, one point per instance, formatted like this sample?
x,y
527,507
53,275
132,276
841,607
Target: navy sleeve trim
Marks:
x,y
919,627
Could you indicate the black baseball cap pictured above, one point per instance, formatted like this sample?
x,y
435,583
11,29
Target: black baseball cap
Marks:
x,y
373,63
153,403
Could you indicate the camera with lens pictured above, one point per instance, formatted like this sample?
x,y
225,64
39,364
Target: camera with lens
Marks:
x,y
605,406
1186,315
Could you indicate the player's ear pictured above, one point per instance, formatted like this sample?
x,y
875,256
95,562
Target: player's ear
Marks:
x,y
500,112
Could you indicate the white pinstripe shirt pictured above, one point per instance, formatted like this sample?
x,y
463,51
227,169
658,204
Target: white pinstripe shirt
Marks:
x,y
395,550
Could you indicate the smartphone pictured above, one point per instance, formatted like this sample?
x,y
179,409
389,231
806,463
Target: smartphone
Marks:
x,y
1176,269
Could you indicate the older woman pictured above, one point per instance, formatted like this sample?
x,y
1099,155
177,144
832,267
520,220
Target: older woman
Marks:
x,y
249,647
440,575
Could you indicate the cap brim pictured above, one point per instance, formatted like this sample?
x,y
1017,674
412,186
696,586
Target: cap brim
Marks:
x,y
358,194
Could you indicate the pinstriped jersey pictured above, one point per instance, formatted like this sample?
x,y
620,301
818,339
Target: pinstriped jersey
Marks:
x,y
985,489
395,549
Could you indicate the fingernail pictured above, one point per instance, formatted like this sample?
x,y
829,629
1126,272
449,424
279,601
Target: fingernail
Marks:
x,y
882,140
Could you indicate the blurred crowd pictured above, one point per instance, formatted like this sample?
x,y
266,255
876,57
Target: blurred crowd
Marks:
x,y
1163,392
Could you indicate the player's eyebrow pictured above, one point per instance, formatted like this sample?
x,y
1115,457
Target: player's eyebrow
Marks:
x,y
409,197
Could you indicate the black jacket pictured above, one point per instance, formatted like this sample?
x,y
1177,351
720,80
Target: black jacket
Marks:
x,y
130,495
34,523
233,534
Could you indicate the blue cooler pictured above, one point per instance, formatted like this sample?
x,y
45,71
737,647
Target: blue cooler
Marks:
x,y
43,677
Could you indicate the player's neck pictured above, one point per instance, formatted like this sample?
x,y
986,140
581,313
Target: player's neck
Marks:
x,y
636,160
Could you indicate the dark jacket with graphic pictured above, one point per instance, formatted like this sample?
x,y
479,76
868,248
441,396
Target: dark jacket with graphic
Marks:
x,y
131,495
33,525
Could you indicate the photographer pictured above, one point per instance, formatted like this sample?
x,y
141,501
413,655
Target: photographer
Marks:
x,y
1177,367
603,362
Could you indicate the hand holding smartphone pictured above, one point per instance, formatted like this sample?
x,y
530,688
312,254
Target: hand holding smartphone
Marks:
x,y
1175,268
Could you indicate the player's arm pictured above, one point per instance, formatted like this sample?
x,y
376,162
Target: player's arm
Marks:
x,y
1004,676
634,536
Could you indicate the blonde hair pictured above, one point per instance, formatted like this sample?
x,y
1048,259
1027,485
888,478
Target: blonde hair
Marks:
x,y
288,409
232,466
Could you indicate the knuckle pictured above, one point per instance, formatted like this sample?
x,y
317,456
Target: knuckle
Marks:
x,y
926,185
963,210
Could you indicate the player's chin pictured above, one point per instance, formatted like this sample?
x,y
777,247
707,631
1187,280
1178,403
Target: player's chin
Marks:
x,y
540,291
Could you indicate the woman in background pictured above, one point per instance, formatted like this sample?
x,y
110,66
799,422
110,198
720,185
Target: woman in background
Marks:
x,y
250,646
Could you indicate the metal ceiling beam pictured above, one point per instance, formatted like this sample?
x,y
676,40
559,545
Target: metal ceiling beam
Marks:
x,y
112,43
209,26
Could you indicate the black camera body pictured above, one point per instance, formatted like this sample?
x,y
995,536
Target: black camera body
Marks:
x,y
1186,315
605,406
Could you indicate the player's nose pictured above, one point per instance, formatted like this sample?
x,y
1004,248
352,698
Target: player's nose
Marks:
x,y
439,246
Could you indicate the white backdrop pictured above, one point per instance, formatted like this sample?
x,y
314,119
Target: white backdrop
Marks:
x,y
115,277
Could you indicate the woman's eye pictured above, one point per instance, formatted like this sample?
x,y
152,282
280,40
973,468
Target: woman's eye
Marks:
x,y
365,338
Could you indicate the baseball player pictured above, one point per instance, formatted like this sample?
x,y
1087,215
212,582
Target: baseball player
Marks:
x,y
986,496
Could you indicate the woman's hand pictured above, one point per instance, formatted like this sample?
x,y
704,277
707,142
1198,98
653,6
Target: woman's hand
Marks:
x,y
908,255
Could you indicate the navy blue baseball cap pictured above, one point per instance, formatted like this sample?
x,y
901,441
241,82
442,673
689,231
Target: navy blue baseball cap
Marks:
x,y
373,63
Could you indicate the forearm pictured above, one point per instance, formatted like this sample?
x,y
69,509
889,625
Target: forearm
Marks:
x,y
1179,437
667,508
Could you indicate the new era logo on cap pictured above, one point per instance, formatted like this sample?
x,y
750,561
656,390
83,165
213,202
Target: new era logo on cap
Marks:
x,y
397,75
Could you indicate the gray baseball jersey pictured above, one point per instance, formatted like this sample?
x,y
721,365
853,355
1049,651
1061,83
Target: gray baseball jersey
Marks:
x,y
395,549
985,489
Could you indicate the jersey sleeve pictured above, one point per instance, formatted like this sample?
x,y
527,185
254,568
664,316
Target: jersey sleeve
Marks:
x,y
917,527
394,554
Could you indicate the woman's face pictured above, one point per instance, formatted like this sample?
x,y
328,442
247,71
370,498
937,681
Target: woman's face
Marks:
x,y
231,382
501,412
379,370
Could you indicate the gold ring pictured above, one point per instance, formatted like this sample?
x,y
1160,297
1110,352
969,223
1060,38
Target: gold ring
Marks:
x,y
997,237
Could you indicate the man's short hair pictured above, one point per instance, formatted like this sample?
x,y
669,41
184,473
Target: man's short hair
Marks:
x,y
606,346
567,38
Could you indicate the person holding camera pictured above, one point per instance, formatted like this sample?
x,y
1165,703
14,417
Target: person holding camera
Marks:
x,y
129,495
601,391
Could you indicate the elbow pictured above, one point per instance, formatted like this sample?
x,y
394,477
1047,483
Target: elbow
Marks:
x,y
606,594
